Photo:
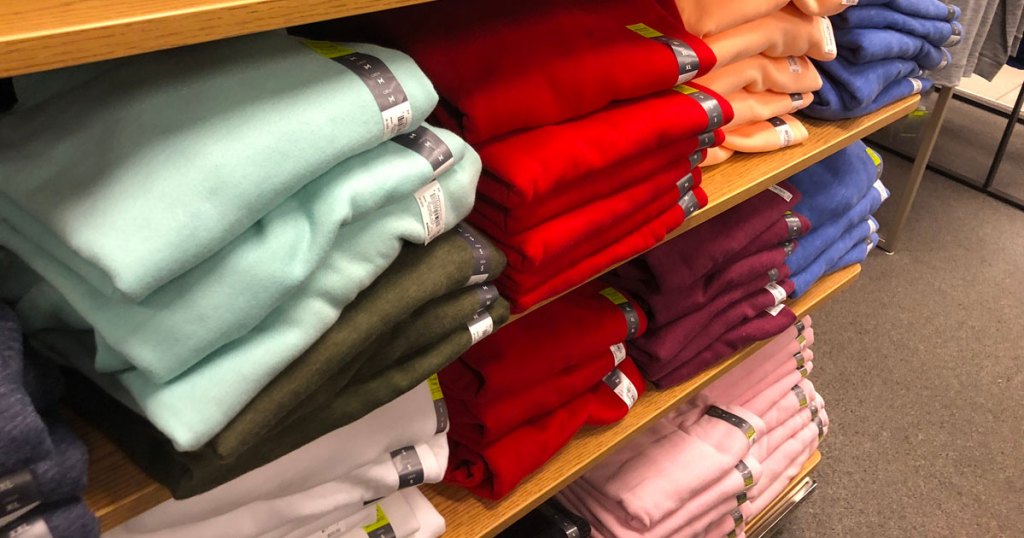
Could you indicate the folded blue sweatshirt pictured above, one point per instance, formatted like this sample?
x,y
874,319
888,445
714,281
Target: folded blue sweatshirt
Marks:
x,y
940,33
194,406
924,9
831,101
851,238
856,254
227,295
23,436
861,84
864,45
834,185
826,233
133,176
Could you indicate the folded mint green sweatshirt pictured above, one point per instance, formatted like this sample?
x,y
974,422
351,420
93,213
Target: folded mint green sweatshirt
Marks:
x,y
131,173
194,406
229,293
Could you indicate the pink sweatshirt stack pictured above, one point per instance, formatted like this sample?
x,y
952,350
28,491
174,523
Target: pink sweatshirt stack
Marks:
x,y
718,460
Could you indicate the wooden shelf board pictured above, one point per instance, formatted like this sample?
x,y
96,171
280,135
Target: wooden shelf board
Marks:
x,y
39,35
786,494
468,516
745,175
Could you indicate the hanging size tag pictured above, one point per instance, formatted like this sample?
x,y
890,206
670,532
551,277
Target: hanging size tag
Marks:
x,y
782,192
622,386
440,408
481,326
712,108
618,353
686,57
409,467
785,132
430,198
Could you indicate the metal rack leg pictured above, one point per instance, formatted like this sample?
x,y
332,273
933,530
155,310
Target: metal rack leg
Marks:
x,y
891,234
997,161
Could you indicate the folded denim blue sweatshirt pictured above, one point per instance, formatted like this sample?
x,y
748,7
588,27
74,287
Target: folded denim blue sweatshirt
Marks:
x,y
231,292
833,186
925,9
832,101
824,263
193,407
863,45
940,33
131,177
856,254
23,436
824,234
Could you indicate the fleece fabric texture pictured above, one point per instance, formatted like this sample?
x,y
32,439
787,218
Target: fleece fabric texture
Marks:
x,y
769,135
549,520
65,519
285,494
184,321
62,475
860,236
193,407
539,173
860,85
856,254
864,45
923,9
704,17
231,128
785,32
672,268
750,107
825,236
940,33
487,92
492,470
23,436
418,276
829,102
760,73
833,186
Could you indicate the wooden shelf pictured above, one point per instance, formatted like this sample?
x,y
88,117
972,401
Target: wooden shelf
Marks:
x,y
745,175
468,516
38,35
765,516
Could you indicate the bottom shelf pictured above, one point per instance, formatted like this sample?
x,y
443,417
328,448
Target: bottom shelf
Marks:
x,y
468,516
782,504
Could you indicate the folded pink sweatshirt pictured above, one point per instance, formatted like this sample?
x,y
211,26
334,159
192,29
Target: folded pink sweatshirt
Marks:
x,y
767,445
731,525
785,362
786,377
798,397
760,73
789,457
786,32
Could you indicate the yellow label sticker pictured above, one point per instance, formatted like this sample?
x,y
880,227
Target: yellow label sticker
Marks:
x,y
327,49
685,90
382,520
614,296
644,30
875,157
435,388
919,113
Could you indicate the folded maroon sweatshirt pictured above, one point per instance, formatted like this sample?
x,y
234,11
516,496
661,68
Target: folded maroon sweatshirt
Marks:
x,y
525,289
505,65
482,420
698,252
760,327
492,470
665,348
560,335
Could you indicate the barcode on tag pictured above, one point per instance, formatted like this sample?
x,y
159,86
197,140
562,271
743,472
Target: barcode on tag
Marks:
x,y
481,326
784,131
794,64
622,386
778,189
618,353
774,311
430,198
829,36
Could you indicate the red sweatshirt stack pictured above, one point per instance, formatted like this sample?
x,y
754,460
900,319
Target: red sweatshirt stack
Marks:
x,y
519,396
589,139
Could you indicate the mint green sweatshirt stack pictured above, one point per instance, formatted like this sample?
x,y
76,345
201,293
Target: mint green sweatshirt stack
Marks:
x,y
210,210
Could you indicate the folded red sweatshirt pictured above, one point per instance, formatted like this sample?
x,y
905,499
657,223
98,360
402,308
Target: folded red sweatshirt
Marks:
x,y
664,348
760,327
483,420
505,65
587,228
697,252
524,168
676,159
525,289
493,470
558,336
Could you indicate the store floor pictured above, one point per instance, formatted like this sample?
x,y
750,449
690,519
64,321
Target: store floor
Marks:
x,y
920,364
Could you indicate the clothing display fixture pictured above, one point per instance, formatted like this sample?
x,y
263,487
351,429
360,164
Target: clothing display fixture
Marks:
x,y
304,276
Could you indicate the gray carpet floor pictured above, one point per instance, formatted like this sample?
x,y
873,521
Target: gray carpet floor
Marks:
x,y
919,364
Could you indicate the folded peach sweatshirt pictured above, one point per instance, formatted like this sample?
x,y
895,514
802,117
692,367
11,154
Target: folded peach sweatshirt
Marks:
x,y
760,73
750,107
704,17
786,32
775,133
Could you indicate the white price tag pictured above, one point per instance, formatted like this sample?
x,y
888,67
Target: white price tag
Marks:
x,y
430,198
829,36
622,386
619,353
774,311
777,291
481,326
794,64
781,191
880,187
918,86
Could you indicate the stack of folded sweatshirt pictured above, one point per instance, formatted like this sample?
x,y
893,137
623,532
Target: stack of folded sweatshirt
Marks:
x,y
717,461
518,397
763,69
240,266
715,288
590,133
549,520
43,464
339,485
839,196
885,48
